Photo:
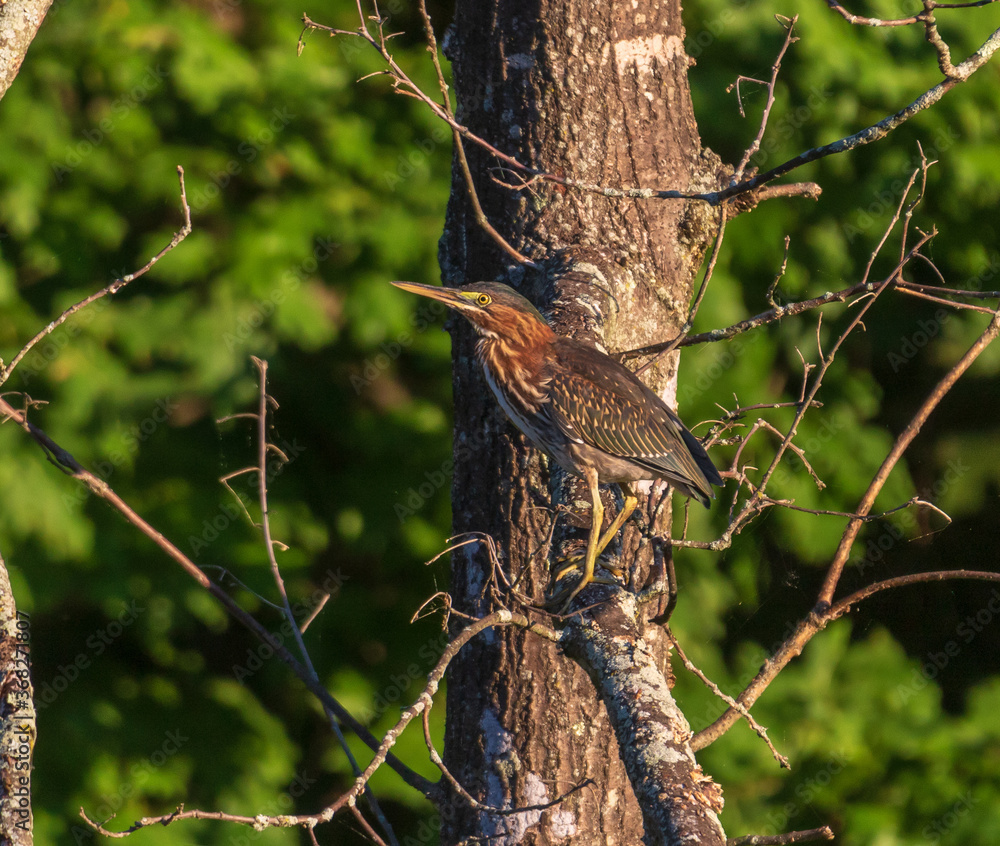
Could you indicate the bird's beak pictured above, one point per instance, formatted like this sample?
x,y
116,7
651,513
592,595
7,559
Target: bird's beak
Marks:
x,y
449,296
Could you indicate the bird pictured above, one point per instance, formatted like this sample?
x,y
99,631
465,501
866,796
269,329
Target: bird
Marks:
x,y
587,411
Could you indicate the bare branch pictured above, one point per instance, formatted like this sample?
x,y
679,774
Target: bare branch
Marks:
x,y
789,25
712,686
929,7
382,755
872,133
404,85
863,21
899,447
113,288
69,465
824,611
762,319
263,448
844,605
813,834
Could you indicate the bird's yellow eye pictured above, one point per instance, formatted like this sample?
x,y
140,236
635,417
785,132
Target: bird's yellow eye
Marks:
x,y
484,299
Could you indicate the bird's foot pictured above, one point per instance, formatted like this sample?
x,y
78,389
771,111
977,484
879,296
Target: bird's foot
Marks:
x,y
569,563
565,589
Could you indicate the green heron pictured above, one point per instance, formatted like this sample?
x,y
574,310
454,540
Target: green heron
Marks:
x,y
574,402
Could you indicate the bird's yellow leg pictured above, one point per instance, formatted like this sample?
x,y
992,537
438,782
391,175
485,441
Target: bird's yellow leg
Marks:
x,y
629,506
631,501
590,562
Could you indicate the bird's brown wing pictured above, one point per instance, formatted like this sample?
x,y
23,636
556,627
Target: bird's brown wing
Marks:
x,y
597,401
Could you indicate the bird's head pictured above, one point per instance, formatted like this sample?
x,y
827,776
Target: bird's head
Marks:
x,y
495,309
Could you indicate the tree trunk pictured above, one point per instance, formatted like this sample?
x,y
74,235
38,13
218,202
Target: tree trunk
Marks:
x,y
600,95
19,21
17,720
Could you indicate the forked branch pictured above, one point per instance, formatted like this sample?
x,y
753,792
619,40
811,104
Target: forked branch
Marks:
x,y
825,610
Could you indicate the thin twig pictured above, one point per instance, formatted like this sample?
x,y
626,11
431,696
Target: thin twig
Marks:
x,y
732,703
922,295
265,401
825,611
909,21
693,311
899,447
789,25
69,465
822,833
463,162
778,276
859,20
844,605
308,621
113,288
403,84
378,841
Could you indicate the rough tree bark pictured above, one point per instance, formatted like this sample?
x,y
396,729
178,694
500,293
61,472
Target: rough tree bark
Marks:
x,y
19,21
17,720
598,92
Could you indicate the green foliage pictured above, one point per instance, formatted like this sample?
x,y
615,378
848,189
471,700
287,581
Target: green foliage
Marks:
x,y
876,750
311,190
308,192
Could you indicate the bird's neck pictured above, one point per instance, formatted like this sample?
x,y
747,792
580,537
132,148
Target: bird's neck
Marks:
x,y
516,361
